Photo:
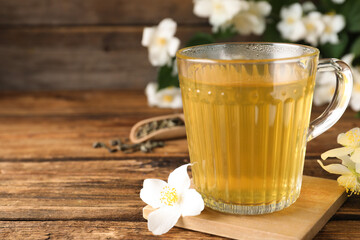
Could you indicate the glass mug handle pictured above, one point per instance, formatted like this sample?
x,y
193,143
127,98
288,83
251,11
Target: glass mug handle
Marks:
x,y
340,100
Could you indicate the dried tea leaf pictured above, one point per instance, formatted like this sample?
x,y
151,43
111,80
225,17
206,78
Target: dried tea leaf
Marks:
x,y
145,147
153,126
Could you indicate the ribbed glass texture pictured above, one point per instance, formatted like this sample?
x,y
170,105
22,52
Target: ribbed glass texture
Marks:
x,y
246,125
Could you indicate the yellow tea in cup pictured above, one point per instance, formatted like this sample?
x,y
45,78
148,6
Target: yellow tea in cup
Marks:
x,y
247,109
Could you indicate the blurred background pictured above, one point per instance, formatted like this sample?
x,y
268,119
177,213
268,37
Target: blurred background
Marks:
x,y
84,44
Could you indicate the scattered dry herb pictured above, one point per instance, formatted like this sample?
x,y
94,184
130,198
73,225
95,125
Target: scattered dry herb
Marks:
x,y
103,145
126,147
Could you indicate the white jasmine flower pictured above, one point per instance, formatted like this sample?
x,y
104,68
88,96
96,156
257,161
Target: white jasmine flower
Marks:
x,y
351,146
326,84
350,160
219,12
252,20
172,200
355,96
161,43
308,6
324,88
175,71
333,25
291,27
169,97
348,58
349,171
338,1
314,27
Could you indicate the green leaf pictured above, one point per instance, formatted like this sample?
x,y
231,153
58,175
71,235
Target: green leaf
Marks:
x,y
327,6
200,38
166,78
276,5
335,50
355,47
356,61
358,115
224,34
271,33
351,12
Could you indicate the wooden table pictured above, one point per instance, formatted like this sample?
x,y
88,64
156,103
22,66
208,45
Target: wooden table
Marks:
x,y
54,185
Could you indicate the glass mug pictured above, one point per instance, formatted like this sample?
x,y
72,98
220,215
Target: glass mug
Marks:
x,y
247,110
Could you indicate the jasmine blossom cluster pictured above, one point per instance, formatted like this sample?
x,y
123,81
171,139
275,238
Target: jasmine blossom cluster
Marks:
x,y
312,27
248,17
326,84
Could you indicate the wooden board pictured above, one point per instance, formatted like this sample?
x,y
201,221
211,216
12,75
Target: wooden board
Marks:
x,y
319,200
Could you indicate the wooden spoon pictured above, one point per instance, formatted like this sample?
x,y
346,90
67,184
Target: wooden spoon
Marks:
x,y
161,134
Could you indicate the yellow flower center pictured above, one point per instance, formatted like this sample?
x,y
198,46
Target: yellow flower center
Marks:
x,y
168,98
357,87
290,20
218,7
310,27
328,29
162,41
351,184
169,196
353,137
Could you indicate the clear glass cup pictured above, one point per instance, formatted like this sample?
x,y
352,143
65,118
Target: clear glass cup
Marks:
x,y
247,110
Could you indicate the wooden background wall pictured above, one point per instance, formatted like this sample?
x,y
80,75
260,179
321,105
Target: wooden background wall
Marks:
x,y
83,44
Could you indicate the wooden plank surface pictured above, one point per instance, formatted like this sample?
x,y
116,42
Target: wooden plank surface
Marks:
x,y
79,189
53,182
96,12
39,125
70,58
84,44
94,230
75,58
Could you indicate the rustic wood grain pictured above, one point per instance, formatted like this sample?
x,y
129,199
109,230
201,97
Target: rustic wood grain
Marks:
x,y
96,12
77,44
68,190
53,183
89,230
76,58
339,230
40,125
97,189
94,230
70,58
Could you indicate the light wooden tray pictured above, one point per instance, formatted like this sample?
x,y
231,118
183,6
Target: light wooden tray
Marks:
x,y
319,200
